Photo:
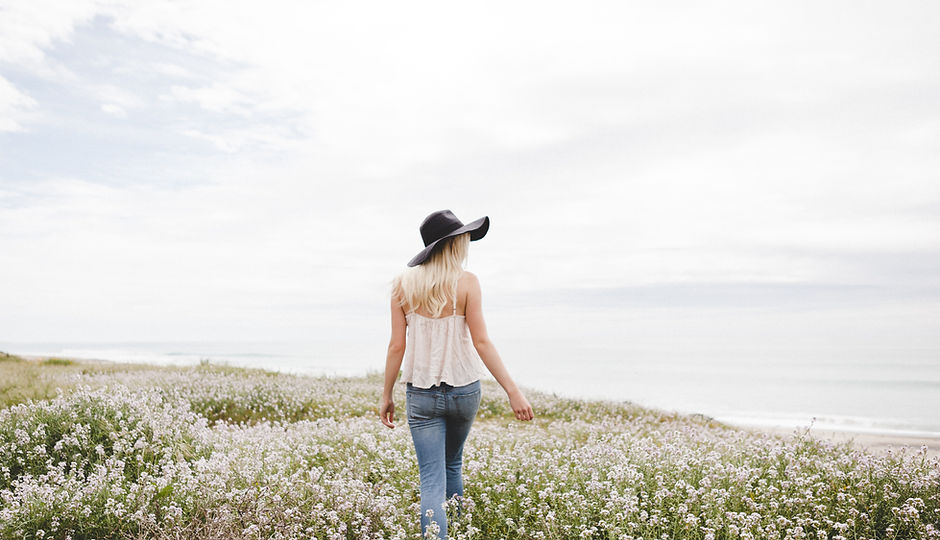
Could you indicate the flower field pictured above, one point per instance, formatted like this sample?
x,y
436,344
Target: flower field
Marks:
x,y
216,452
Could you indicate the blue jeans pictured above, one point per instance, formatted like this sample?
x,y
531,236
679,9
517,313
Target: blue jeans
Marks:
x,y
439,419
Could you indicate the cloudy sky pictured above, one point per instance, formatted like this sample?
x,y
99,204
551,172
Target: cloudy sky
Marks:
x,y
731,174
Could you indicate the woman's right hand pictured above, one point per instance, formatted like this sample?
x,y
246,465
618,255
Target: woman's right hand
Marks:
x,y
387,412
520,406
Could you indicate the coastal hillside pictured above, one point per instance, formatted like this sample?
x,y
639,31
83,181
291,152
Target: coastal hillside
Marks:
x,y
102,450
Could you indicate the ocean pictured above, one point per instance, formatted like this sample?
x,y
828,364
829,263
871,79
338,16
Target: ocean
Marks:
x,y
866,390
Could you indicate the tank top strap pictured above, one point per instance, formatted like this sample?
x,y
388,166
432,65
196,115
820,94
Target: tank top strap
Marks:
x,y
455,298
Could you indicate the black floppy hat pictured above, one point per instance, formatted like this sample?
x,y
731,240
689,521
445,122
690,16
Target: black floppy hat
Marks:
x,y
444,224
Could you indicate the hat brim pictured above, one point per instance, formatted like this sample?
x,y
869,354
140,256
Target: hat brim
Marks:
x,y
476,228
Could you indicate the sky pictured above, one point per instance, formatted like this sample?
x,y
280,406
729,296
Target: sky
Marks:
x,y
675,174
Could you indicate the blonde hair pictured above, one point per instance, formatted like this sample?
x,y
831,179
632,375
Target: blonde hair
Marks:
x,y
431,285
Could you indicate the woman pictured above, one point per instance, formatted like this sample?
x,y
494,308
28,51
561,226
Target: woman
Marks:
x,y
435,302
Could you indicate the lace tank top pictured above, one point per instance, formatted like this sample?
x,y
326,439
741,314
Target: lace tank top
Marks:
x,y
440,350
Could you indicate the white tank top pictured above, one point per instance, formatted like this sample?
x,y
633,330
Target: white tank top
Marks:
x,y
440,350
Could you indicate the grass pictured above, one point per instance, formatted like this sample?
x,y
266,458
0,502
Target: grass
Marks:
x,y
102,450
22,379
57,362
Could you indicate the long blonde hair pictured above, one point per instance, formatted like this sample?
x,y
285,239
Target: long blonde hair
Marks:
x,y
430,285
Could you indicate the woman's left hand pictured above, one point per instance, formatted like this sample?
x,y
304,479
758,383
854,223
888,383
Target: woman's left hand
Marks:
x,y
387,412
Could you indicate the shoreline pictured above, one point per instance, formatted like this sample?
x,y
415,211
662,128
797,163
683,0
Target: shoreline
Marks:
x,y
879,443
871,440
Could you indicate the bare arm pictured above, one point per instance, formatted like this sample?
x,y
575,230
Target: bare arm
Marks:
x,y
396,351
486,349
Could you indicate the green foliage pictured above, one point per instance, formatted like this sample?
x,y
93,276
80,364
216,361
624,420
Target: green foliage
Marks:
x,y
58,362
22,380
78,432
7,357
214,451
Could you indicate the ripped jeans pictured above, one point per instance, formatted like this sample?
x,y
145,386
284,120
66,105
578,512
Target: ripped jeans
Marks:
x,y
439,419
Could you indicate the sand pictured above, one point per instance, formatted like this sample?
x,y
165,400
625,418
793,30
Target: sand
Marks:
x,y
874,442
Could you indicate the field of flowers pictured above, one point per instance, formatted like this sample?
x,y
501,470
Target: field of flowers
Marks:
x,y
111,451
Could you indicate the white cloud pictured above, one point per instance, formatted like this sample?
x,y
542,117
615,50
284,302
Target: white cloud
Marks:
x,y
613,146
14,105
172,70
114,110
30,27
121,97
222,143
217,98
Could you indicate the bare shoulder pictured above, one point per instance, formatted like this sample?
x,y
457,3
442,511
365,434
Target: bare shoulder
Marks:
x,y
469,280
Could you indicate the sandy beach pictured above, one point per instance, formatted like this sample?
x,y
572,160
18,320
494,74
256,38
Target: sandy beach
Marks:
x,y
875,442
